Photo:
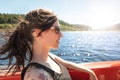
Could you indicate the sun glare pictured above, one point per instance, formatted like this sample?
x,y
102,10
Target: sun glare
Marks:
x,y
102,14
102,17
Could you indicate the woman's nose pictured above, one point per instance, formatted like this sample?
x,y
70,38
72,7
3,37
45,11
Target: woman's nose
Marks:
x,y
61,35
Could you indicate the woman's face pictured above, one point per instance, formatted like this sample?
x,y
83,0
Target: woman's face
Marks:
x,y
52,36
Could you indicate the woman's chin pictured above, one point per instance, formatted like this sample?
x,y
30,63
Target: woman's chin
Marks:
x,y
55,47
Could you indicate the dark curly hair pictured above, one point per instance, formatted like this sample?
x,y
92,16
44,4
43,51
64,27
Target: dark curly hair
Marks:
x,y
18,45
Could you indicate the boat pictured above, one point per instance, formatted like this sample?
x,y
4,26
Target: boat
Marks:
x,y
105,70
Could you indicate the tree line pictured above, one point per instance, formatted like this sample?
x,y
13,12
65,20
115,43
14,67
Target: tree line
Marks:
x,y
9,18
8,21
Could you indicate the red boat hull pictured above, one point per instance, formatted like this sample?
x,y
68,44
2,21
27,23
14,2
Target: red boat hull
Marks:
x,y
108,70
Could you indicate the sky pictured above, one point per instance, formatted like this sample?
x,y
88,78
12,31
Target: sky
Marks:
x,y
94,13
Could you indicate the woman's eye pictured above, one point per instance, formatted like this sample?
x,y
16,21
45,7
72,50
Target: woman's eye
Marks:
x,y
56,31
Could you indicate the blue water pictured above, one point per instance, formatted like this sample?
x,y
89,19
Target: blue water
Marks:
x,y
90,46
87,46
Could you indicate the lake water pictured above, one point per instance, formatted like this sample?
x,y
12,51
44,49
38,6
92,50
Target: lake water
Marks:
x,y
87,46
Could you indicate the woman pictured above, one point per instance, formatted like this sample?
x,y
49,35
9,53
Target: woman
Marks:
x,y
31,41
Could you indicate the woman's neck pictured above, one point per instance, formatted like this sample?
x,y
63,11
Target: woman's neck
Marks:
x,y
40,54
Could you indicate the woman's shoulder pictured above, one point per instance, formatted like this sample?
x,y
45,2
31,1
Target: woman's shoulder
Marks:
x,y
36,74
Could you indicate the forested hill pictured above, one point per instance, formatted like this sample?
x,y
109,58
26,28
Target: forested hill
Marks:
x,y
73,27
8,21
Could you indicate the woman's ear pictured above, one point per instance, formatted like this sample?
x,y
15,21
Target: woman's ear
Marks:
x,y
36,32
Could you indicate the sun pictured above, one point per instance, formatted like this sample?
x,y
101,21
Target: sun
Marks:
x,y
102,17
